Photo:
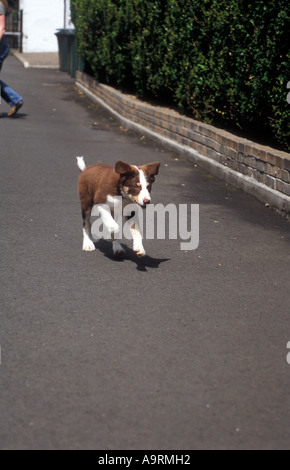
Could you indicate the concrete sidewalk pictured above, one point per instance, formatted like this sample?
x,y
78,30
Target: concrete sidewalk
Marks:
x,y
41,60
179,350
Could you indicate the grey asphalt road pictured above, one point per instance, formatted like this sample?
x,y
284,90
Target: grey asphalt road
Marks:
x,y
179,350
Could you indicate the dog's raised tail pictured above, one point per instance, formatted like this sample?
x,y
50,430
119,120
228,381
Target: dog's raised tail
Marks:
x,y
81,163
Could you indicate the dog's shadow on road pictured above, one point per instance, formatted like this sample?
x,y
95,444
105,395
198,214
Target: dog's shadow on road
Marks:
x,y
142,264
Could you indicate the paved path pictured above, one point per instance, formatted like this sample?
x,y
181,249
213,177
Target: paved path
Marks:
x,y
180,350
47,60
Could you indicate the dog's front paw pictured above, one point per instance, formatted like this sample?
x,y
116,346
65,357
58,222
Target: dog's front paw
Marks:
x,y
139,250
118,250
141,253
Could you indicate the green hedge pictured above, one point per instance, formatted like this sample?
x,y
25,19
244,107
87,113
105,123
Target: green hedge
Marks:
x,y
225,62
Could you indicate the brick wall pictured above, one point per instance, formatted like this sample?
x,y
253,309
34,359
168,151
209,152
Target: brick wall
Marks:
x,y
258,169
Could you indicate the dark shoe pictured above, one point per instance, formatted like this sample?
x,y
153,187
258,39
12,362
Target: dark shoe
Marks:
x,y
15,108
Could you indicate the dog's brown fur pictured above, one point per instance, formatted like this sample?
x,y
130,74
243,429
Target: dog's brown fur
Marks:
x,y
100,184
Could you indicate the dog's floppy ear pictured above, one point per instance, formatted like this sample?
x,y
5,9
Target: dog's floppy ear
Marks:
x,y
152,169
124,168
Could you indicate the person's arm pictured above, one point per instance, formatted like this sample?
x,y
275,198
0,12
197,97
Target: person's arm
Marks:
x,y
2,26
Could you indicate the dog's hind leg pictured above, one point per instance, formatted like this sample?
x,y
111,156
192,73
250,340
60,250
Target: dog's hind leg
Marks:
x,y
88,244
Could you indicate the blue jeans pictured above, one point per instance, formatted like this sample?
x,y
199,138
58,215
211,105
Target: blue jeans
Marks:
x,y
9,95
4,50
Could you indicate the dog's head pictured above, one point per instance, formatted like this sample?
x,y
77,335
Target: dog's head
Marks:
x,y
136,182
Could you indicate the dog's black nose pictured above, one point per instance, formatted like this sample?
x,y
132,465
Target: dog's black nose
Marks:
x,y
146,201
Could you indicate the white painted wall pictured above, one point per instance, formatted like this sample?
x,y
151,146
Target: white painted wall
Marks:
x,y
41,19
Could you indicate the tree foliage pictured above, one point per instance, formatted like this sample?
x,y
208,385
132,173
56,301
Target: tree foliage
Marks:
x,y
222,61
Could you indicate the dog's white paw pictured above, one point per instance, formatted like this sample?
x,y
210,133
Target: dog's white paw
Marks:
x,y
88,245
118,250
139,249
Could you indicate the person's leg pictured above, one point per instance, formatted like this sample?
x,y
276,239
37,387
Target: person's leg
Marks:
x,y
4,51
9,95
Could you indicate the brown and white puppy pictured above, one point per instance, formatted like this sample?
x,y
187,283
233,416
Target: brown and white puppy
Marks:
x,y
100,184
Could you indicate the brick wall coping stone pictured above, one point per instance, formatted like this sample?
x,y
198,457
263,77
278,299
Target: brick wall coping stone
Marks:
x,y
259,170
